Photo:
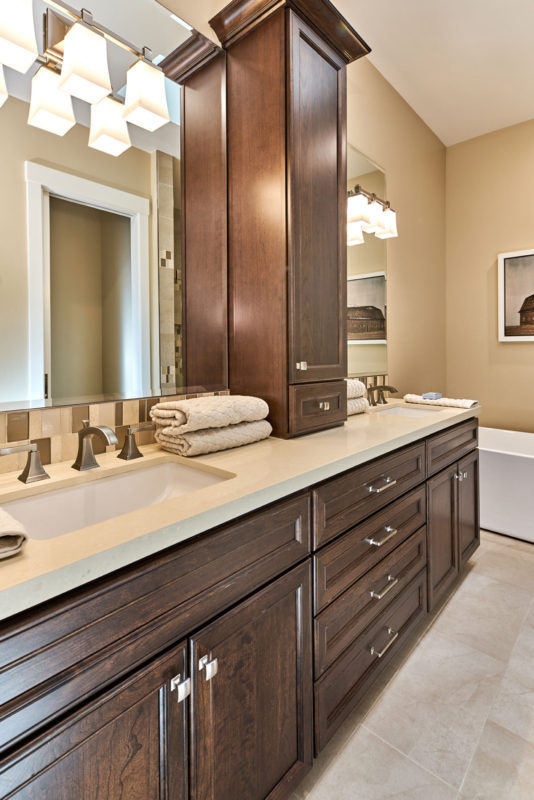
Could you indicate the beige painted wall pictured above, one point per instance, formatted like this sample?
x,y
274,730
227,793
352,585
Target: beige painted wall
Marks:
x,y
20,142
384,127
490,197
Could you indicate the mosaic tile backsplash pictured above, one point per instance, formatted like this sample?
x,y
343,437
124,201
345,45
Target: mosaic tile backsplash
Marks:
x,y
55,430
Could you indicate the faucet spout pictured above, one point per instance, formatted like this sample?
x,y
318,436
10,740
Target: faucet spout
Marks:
x,y
86,457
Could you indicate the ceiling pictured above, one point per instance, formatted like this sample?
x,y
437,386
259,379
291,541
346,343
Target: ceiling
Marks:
x,y
465,66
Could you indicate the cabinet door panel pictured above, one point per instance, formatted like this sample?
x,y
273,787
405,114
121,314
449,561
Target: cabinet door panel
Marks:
x,y
442,533
317,192
468,507
252,733
130,744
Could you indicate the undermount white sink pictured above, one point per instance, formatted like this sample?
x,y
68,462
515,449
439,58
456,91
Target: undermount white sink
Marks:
x,y
402,411
60,511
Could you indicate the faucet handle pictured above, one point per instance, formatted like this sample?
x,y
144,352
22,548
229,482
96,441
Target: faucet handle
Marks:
x,y
34,470
130,450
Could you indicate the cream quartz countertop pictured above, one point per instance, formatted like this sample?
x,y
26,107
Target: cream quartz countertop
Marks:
x,y
260,474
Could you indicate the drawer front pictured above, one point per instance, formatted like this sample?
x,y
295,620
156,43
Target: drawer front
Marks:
x,y
343,621
60,654
339,565
317,405
343,502
454,443
341,688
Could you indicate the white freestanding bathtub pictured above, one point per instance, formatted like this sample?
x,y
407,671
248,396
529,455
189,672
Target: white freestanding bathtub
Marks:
x,y
507,482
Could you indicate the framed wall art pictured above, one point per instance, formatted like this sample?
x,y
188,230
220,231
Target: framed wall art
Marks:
x,y
516,296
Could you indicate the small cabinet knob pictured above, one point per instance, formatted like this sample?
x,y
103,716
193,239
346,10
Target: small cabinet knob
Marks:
x,y
210,667
302,365
181,687
324,406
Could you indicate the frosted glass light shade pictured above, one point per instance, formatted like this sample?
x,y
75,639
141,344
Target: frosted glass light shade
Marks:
x,y
109,131
372,217
354,234
389,221
3,88
146,99
18,45
50,107
85,71
357,208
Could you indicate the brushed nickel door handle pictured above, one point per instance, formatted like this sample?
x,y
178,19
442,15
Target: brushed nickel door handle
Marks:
x,y
388,483
378,542
380,653
324,406
302,365
181,687
211,667
392,582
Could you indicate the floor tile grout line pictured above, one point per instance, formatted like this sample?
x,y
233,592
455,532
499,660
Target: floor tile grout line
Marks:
x,y
410,759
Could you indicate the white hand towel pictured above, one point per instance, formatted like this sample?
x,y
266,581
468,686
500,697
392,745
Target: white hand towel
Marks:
x,y
208,412
195,443
355,388
357,405
444,401
12,535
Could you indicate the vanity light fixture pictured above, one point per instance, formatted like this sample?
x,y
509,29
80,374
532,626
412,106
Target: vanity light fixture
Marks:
x,y
18,45
50,107
354,234
85,71
146,100
389,220
4,95
371,213
109,131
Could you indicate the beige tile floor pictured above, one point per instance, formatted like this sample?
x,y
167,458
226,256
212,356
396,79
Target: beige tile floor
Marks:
x,y
456,721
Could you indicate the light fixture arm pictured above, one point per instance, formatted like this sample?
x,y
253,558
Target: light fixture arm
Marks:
x,y
371,196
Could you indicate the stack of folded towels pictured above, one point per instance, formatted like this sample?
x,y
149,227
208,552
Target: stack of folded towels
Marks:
x,y
357,403
208,424
448,402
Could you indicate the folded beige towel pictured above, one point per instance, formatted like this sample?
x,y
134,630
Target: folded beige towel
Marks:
x,y
357,405
208,412
12,535
195,443
444,401
355,388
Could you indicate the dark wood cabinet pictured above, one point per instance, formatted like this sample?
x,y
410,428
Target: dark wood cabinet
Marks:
x,y
468,507
129,744
252,695
286,65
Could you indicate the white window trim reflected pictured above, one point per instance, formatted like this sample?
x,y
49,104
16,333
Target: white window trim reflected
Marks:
x,y
41,182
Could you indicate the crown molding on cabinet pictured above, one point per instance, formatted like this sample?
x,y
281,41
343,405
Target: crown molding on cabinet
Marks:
x,y
192,55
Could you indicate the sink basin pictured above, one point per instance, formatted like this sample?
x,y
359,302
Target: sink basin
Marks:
x,y
402,411
60,511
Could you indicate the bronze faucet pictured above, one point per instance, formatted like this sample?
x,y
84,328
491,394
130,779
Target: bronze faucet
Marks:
x,y
130,450
34,470
86,457
380,389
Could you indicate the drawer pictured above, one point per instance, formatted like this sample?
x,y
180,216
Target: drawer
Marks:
x,y
341,563
342,687
59,654
342,502
343,621
454,443
317,405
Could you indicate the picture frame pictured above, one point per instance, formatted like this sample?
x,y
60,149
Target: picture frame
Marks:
x,y
367,308
516,296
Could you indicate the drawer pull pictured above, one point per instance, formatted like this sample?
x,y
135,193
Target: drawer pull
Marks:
x,y
392,582
387,484
324,406
390,533
302,366
379,653
211,667
182,687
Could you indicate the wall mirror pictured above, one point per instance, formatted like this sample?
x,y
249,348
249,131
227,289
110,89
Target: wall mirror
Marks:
x,y
366,281
91,304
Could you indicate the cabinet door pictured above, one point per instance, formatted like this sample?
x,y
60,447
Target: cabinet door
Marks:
x,y
442,533
468,507
317,207
129,744
252,695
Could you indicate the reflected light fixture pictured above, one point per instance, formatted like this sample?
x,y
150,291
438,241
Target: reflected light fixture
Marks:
x,y
18,45
354,234
146,100
85,71
373,216
389,222
3,88
109,131
50,107
357,207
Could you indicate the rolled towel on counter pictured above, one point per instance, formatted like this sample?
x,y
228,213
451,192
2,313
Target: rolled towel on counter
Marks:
x,y
448,402
355,388
357,405
195,443
208,412
12,535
